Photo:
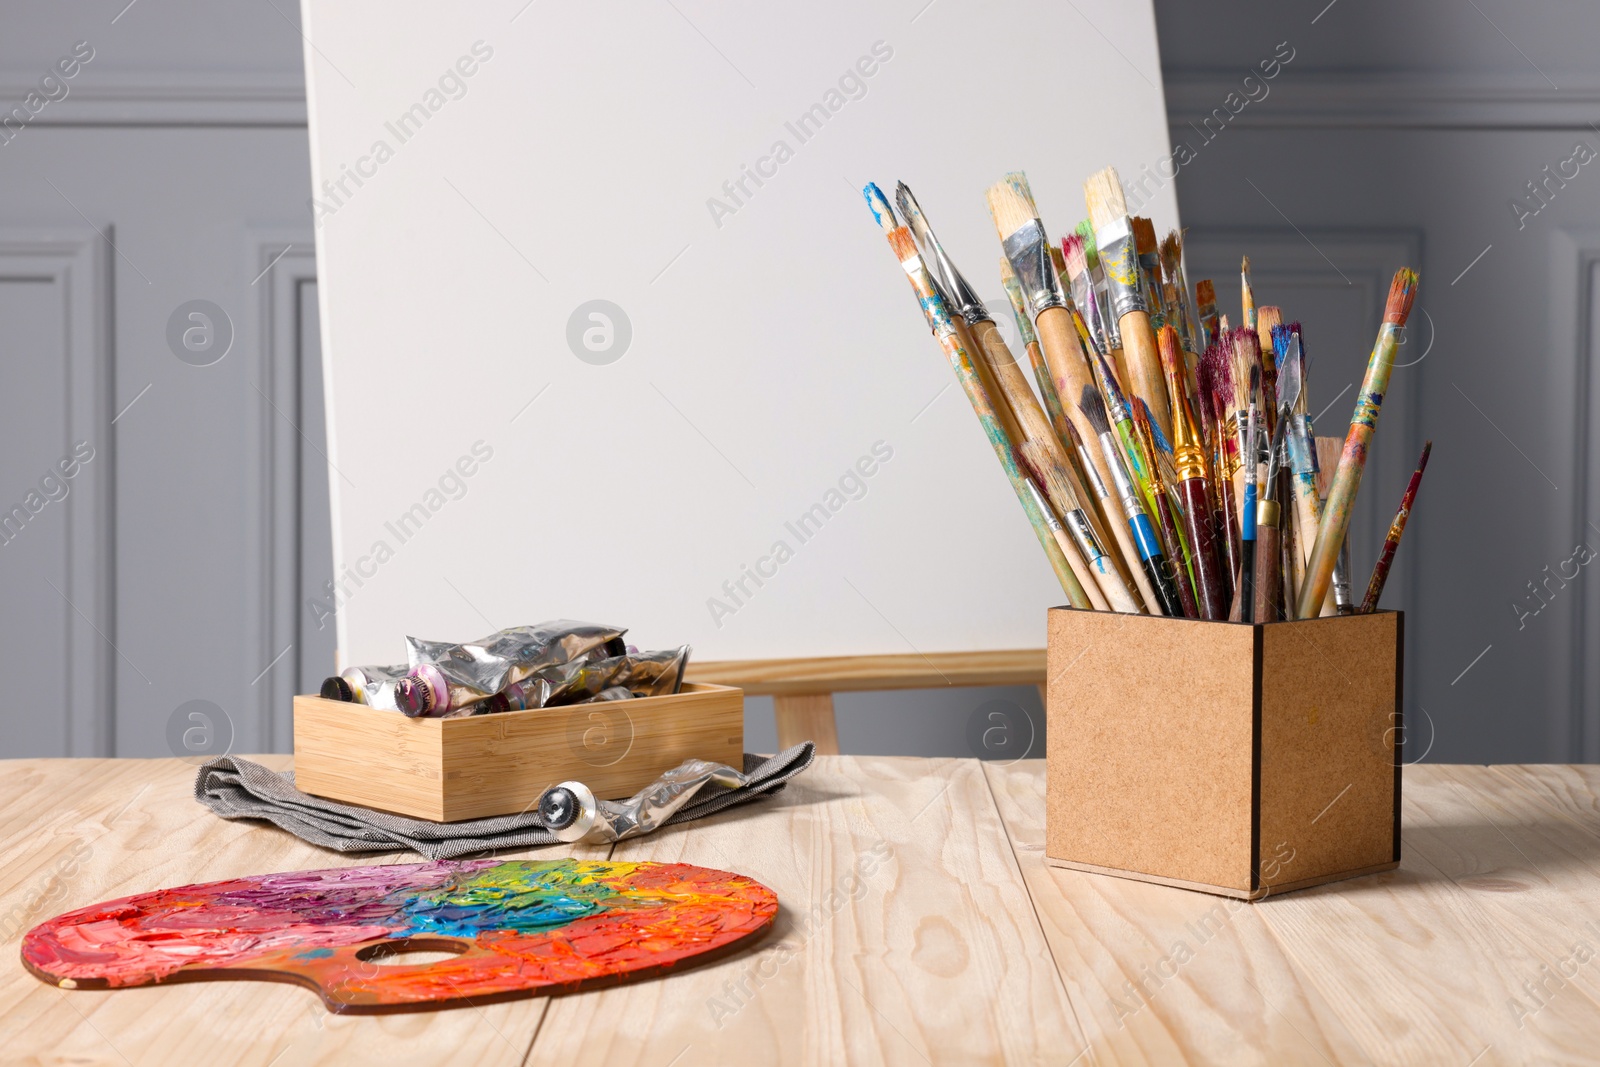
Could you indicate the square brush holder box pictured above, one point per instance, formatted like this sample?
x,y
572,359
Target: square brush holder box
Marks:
x,y
1230,758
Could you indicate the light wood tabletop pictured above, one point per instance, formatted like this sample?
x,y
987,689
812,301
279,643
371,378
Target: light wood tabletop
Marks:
x,y
919,924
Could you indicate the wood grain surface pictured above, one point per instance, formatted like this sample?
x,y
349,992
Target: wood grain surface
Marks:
x,y
920,924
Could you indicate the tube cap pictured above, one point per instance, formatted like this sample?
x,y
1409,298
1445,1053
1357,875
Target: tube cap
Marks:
x,y
336,688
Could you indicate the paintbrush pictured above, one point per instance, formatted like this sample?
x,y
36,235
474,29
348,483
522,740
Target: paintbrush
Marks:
x,y
1218,477
1172,272
1337,508
993,351
1022,236
1391,543
1148,249
1247,295
1218,364
1030,342
1084,297
1101,566
1205,296
1189,459
1244,375
1244,598
942,323
1266,318
1300,443
1151,557
1338,600
1108,210
1269,549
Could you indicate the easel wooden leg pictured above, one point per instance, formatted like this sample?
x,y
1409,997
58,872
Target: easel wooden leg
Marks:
x,y
807,717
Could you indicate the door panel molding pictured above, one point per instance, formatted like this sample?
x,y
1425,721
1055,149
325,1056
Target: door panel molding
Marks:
x,y
76,263
281,261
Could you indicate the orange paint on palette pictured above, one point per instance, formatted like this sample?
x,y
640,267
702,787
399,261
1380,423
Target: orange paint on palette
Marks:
x,y
513,929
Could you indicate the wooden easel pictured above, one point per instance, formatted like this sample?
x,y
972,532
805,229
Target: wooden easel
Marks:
x,y
802,689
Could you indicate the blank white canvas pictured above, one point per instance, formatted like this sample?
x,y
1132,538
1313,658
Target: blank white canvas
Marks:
x,y
558,153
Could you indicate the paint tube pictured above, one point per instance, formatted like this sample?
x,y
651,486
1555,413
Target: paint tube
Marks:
x,y
452,678
638,674
571,811
372,686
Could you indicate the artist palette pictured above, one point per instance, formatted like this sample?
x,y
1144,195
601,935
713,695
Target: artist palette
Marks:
x,y
510,928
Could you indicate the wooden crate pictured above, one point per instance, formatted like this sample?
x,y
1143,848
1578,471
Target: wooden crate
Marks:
x,y
451,769
1234,759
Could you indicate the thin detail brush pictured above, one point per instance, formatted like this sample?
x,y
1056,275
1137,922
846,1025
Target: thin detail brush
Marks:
x,y
1205,297
1189,459
1247,295
1397,528
1246,597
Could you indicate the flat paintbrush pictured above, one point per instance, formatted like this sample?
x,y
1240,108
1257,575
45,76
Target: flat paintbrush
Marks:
x,y
1336,510
1268,317
1022,236
1218,361
1030,342
1391,543
1114,239
942,323
1300,442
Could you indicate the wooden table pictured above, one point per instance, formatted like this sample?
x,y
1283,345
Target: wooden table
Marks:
x,y
919,925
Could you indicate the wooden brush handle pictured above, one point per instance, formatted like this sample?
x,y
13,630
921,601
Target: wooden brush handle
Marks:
x,y
1207,574
1082,569
1143,360
1268,555
1180,573
991,384
1063,354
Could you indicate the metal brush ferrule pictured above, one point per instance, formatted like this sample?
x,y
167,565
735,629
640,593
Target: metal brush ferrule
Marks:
x,y
1083,535
1096,483
1120,261
959,294
1126,495
1188,461
1028,251
1267,513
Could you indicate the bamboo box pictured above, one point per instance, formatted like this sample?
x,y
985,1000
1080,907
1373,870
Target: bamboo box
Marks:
x,y
453,769
1236,759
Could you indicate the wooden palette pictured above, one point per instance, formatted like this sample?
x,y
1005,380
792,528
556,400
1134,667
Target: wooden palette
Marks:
x,y
515,928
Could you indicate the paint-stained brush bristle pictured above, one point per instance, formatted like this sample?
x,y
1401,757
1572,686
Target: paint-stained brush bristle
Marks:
x,y
1091,252
1094,409
1302,400
1144,236
1218,364
1072,250
1266,318
1402,293
880,206
1255,383
1286,357
1104,197
904,245
1171,255
1205,292
1060,488
1244,365
1009,208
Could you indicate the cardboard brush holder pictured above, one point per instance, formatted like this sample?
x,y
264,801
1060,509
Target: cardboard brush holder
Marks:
x,y
1236,759
501,764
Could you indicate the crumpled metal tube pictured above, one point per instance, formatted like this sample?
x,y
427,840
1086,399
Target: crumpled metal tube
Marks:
x,y
571,811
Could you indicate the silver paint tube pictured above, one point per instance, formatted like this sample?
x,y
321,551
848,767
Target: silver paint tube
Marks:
x,y
447,678
573,813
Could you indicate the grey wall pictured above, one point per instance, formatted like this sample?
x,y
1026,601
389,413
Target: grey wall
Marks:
x,y
1419,125
178,564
